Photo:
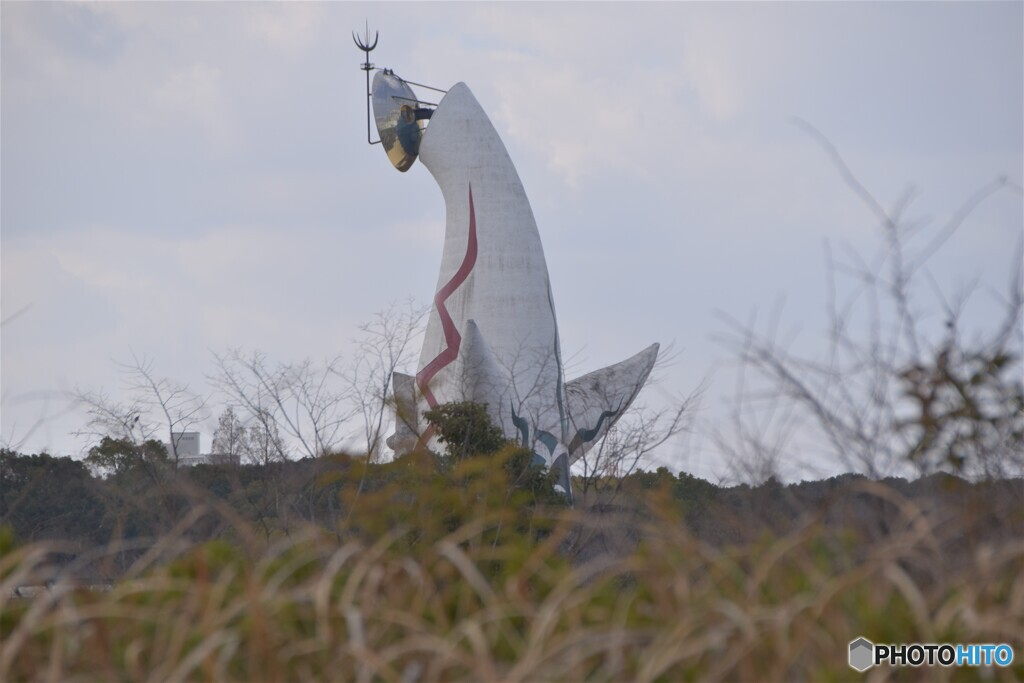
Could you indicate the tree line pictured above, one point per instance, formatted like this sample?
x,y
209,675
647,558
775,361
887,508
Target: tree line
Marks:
x,y
141,498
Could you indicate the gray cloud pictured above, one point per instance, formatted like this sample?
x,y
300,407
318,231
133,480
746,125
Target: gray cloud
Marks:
x,y
185,177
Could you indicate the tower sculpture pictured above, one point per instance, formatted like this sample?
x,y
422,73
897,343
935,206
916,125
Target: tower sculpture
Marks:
x,y
492,335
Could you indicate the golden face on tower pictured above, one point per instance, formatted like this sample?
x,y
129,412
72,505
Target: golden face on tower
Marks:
x,y
394,110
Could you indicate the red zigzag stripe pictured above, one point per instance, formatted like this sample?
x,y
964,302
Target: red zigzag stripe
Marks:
x,y
452,338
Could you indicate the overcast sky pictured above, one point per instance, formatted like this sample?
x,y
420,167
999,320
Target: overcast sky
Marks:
x,y
183,178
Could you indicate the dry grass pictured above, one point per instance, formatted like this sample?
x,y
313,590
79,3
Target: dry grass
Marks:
x,y
483,603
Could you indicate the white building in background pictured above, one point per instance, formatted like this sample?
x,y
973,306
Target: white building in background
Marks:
x,y
187,444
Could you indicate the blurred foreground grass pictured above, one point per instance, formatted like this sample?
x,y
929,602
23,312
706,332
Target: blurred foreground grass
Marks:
x,y
446,583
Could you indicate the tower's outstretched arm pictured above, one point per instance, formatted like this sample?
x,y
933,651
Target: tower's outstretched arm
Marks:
x,y
596,400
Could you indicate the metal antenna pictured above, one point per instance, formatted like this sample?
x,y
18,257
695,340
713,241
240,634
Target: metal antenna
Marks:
x,y
366,47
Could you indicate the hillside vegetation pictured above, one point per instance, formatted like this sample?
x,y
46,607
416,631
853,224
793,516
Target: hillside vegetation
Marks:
x,y
339,570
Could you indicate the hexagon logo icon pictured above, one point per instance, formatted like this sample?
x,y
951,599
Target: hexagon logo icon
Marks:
x,y
862,653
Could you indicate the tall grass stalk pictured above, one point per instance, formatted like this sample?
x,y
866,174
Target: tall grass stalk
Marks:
x,y
462,606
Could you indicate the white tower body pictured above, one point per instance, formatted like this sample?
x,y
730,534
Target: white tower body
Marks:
x,y
493,274
492,336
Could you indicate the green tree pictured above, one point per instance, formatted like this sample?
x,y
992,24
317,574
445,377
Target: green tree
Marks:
x,y
465,428
43,497
120,456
